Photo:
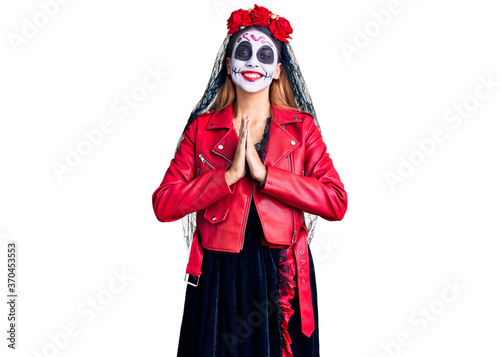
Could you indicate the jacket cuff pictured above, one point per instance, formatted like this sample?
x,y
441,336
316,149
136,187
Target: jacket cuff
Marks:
x,y
272,182
220,180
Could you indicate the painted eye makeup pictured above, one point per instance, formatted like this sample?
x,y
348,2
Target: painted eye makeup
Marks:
x,y
243,51
265,55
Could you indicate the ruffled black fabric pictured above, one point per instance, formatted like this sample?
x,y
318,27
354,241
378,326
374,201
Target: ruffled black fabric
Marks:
x,y
234,310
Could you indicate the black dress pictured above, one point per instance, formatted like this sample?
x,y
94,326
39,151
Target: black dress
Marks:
x,y
235,310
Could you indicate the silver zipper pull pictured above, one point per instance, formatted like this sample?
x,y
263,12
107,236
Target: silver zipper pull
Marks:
x,y
203,160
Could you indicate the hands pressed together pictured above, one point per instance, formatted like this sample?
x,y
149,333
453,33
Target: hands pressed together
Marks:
x,y
246,153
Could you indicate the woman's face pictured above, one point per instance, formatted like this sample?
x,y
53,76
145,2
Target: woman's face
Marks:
x,y
253,61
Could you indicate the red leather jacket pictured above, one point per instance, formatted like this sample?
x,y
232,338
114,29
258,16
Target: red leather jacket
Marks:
x,y
300,177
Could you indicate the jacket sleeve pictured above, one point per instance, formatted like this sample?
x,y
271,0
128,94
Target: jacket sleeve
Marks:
x,y
320,190
180,193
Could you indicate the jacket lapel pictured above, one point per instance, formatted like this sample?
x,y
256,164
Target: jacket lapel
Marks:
x,y
281,140
226,145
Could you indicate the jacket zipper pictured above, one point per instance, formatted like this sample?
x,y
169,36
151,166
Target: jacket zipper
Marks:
x,y
221,156
205,161
246,220
294,235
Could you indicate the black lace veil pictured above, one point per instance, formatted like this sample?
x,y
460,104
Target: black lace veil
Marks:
x,y
290,68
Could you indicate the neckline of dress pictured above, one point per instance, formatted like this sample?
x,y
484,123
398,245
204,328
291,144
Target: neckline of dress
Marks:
x,y
264,135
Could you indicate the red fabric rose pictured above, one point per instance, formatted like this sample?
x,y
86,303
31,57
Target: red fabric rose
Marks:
x,y
235,20
247,18
281,29
260,16
279,26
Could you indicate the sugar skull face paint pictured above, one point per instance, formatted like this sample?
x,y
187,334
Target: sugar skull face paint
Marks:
x,y
253,61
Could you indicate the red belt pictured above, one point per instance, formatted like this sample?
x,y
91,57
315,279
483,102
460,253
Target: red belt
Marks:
x,y
301,254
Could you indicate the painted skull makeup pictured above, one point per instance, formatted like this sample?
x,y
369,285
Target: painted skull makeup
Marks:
x,y
253,61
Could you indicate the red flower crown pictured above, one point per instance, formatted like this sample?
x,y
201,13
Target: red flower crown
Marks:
x,y
259,15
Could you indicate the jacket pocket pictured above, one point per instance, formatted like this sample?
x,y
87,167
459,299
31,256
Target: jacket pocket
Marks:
x,y
215,215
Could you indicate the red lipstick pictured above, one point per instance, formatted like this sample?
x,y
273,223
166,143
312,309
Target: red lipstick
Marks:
x,y
253,75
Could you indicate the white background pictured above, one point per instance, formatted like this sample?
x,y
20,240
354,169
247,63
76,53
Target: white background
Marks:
x,y
377,269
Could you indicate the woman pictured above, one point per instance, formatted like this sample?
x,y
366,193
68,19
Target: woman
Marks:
x,y
248,169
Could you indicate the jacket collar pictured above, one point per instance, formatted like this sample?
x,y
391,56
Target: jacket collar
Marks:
x,y
281,141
